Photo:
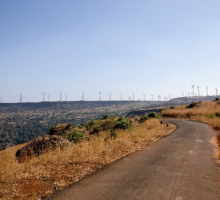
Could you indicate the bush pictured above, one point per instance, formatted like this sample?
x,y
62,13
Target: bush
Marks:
x,y
143,118
216,99
123,123
113,134
193,104
106,116
96,129
108,124
75,136
217,114
92,123
211,115
152,115
172,107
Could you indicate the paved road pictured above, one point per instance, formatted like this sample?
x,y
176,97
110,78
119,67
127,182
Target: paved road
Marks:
x,y
178,167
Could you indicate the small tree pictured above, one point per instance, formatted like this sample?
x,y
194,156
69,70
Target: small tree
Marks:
x,y
152,115
75,136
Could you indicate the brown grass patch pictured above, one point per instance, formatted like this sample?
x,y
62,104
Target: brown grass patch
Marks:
x,y
206,112
57,169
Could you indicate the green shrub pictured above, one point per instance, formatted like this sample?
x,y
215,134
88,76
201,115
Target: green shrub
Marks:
x,y
106,116
96,129
211,115
92,123
193,104
75,136
113,134
172,107
108,124
123,123
152,115
143,118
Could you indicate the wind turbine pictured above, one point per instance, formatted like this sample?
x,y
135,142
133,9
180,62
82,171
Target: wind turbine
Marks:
x,y
192,89
43,96
110,96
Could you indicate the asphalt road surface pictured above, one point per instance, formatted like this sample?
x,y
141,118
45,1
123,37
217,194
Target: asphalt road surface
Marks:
x,y
179,167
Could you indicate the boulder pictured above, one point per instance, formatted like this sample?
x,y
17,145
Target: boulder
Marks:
x,y
41,145
62,130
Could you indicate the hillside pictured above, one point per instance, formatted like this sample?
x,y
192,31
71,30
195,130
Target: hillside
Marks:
x,y
22,122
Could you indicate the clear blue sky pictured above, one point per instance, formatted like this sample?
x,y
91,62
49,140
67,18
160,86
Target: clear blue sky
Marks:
x,y
131,46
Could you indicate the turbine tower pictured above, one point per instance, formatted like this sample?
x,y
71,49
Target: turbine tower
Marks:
x,y
60,96
43,96
133,96
1,99
207,91
121,96
110,96
152,97
100,96
82,96
182,94
144,96
48,97
21,98
216,89
66,97
192,90
198,91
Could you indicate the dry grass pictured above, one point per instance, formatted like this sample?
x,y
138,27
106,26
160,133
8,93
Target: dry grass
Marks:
x,y
55,170
202,113
205,113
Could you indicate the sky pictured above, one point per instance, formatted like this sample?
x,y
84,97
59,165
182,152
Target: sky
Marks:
x,y
151,47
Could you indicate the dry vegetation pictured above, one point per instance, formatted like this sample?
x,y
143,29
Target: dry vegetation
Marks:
x,y
205,112
42,175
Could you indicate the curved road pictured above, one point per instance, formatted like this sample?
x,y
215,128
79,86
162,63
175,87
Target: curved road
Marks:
x,y
179,167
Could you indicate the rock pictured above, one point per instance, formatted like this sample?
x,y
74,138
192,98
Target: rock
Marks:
x,y
41,145
62,130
